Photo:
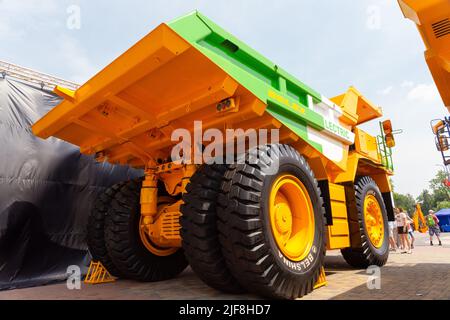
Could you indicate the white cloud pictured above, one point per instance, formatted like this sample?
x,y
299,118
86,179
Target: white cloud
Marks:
x,y
78,63
423,93
29,6
386,91
415,155
407,84
19,16
5,28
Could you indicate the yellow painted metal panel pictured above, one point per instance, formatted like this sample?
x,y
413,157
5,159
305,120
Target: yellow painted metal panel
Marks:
x,y
352,166
338,242
339,210
337,192
382,181
338,234
366,145
357,109
339,228
440,70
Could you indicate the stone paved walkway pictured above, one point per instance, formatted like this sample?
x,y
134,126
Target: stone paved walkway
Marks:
x,y
423,275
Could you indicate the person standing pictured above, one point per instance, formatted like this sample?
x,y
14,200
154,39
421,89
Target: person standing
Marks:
x,y
392,240
411,230
433,227
402,228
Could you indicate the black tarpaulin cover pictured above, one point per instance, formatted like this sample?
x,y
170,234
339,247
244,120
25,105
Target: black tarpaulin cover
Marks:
x,y
46,192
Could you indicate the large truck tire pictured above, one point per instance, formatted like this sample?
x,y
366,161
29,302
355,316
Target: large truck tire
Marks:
x,y
373,231
96,229
272,224
135,257
199,229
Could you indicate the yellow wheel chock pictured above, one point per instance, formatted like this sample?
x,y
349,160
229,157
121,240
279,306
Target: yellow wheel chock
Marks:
x,y
322,281
97,274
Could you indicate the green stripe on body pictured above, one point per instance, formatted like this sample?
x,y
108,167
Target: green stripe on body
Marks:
x,y
256,71
298,127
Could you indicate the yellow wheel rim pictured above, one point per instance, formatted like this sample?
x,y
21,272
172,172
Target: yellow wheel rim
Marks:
x,y
146,239
374,221
291,217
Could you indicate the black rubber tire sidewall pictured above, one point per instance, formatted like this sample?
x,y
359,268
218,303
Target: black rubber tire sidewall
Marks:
x,y
383,251
364,254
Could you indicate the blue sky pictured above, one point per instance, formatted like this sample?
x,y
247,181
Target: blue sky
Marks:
x,y
327,44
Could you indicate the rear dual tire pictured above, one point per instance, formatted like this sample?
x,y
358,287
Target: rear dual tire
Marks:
x,y
126,254
251,243
227,228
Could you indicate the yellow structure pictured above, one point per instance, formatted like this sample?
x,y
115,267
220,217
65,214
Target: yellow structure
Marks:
x,y
419,220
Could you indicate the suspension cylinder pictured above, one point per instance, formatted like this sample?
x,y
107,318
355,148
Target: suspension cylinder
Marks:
x,y
149,197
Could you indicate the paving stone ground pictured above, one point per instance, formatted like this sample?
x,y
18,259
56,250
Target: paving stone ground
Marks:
x,y
425,274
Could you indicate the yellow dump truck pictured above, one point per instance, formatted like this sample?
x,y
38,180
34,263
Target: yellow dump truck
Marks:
x,y
258,218
432,18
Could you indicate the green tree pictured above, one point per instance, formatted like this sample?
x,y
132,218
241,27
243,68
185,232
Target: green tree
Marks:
x,y
439,189
426,200
406,202
443,205
437,197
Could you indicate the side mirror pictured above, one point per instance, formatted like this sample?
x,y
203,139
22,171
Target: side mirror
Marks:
x,y
389,135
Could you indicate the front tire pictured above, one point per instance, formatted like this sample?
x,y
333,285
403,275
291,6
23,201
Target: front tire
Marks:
x,y
373,230
124,243
270,253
